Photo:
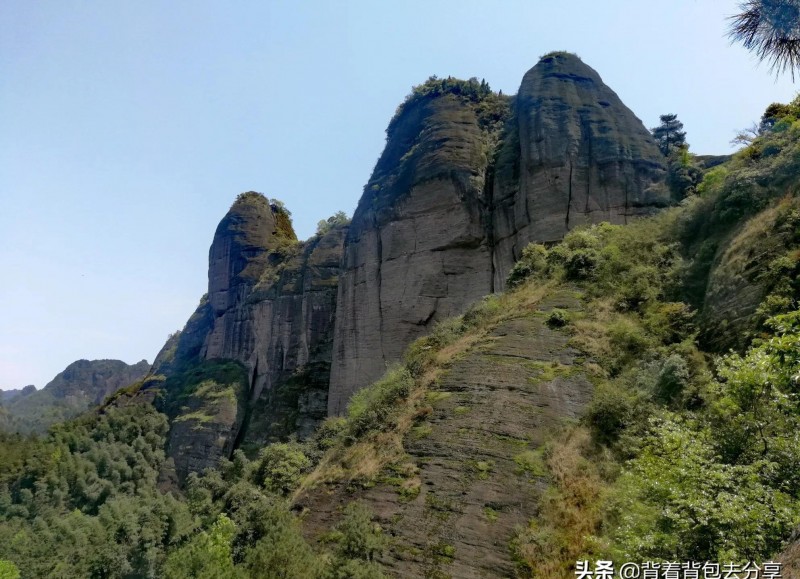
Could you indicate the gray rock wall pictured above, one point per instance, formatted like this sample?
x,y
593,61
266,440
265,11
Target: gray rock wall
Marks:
x,y
575,154
450,206
417,253
270,307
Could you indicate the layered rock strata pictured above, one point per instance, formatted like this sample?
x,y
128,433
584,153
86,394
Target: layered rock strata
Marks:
x,y
452,203
269,309
574,154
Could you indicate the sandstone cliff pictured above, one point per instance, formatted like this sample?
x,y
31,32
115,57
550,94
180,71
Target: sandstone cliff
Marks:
x,y
417,249
467,475
468,177
453,200
252,363
573,154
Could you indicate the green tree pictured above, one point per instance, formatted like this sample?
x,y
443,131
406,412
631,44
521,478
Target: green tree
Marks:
x,y
771,29
8,570
208,555
683,175
361,538
282,465
668,134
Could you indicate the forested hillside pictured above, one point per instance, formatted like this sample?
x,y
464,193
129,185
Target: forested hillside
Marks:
x,y
631,395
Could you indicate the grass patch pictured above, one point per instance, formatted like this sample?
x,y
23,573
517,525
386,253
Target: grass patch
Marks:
x,y
549,371
531,462
571,512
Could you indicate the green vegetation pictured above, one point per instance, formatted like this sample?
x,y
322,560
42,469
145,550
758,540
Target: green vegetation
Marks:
x,y
684,457
86,502
72,392
338,219
686,451
466,90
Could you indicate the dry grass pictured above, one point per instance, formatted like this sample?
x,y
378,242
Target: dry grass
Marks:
x,y
571,512
364,460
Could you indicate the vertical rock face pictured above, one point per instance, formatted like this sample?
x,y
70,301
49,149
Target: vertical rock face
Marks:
x,y
573,154
417,249
466,180
453,201
252,363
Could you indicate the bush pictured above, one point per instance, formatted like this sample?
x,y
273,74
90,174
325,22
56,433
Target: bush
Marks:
x,y
610,412
360,538
532,262
282,466
8,570
371,408
672,379
581,264
628,338
557,318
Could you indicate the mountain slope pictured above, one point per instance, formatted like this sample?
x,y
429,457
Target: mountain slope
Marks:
x,y
472,471
81,385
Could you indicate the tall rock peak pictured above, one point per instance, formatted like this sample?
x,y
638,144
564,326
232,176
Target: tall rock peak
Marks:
x,y
248,239
573,154
417,250
467,179
252,363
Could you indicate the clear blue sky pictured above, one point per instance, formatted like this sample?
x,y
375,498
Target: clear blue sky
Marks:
x,y
127,129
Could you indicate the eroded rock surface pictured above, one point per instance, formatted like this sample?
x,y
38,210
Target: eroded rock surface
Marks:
x,y
270,310
453,202
573,154
504,398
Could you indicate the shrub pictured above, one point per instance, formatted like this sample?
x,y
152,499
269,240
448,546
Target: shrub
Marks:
x,y
581,264
557,318
672,379
8,570
533,262
610,412
360,537
370,408
282,466
628,338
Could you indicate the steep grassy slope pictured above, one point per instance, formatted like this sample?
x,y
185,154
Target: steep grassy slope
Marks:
x,y
468,469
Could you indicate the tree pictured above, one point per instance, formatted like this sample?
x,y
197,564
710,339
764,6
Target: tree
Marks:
x,y
771,29
668,134
683,175
8,570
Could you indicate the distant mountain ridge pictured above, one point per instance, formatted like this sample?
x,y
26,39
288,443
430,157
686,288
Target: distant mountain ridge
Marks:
x,y
81,385
8,395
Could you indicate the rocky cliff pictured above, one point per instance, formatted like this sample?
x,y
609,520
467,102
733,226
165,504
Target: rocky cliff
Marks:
x,y
82,384
252,364
573,154
417,249
463,484
456,196
468,177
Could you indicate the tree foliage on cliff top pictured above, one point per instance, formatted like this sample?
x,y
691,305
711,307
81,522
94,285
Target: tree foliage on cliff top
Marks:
x,y
470,90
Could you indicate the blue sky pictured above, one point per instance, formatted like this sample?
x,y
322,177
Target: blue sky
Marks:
x,y
127,129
